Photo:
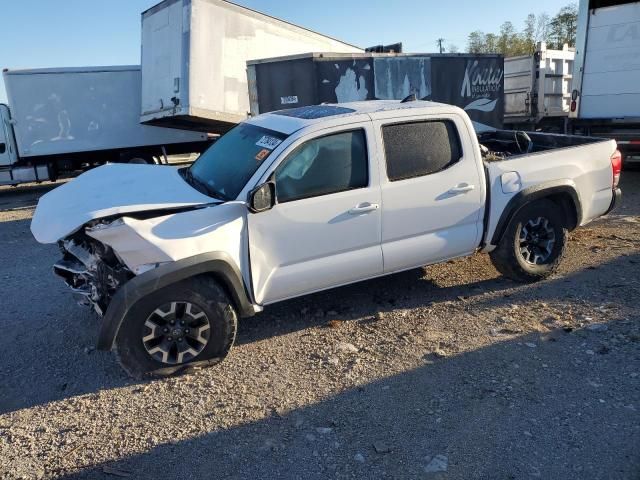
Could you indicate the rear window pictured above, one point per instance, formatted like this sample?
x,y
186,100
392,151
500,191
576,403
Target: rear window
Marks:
x,y
420,148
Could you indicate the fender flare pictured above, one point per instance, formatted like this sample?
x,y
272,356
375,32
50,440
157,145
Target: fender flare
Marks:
x,y
531,194
218,264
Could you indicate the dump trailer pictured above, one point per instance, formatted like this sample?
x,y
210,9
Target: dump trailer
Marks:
x,y
194,55
537,89
606,83
63,120
472,82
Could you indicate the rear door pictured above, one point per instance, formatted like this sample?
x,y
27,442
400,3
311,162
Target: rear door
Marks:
x,y
432,191
324,230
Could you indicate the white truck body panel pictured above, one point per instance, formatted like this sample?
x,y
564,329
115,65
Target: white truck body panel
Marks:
x,y
111,190
70,110
223,226
538,86
587,167
607,71
194,52
316,234
412,229
322,242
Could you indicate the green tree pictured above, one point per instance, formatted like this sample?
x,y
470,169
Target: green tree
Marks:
x,y
562,27
509,41
476,42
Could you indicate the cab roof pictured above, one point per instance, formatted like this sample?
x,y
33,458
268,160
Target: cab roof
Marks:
x,y
292,120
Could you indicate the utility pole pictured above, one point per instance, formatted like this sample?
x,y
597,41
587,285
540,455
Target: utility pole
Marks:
x,y
440,43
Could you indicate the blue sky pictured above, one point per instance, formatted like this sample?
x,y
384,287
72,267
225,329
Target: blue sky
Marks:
x,y
45,33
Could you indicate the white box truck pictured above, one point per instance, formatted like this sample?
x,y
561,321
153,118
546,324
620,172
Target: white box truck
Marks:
x,y
68,119
606,84
537,89
194,60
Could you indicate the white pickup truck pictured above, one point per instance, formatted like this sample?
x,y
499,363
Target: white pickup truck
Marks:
x,y
303,200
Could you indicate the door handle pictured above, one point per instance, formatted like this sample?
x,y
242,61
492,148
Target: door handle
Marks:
x,y
364,208
462,188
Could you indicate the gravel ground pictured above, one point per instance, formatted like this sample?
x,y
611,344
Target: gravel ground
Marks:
x,y
448,372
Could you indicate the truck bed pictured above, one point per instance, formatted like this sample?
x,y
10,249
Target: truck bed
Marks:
x,y
506,144
582,163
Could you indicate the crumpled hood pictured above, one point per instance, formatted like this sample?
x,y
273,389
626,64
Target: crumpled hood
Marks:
x,y
111,190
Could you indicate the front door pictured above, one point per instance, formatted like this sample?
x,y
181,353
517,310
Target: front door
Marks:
x,y
324,230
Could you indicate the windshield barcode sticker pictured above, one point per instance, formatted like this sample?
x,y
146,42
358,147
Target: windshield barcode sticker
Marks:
x,y
269,142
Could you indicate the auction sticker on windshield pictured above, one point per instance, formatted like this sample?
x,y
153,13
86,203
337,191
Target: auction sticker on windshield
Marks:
x,y
262,154
268,142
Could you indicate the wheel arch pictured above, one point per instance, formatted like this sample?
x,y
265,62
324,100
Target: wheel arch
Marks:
x,y
216,265
561,192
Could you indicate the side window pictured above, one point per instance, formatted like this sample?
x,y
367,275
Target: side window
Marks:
x,y
420,148
324,165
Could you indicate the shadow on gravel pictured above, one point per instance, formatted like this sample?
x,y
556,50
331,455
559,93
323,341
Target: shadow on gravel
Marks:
x,y
405,290
12,198
630,185
500,412
46,346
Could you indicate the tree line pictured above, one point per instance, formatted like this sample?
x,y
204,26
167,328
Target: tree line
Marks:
x,y
556,31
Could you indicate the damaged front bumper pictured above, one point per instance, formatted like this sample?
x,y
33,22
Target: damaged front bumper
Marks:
x,y
92,272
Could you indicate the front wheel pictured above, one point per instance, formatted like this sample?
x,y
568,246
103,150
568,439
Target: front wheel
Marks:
x,y
188,324
534,243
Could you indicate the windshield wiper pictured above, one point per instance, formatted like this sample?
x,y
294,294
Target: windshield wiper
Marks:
x,y
201,186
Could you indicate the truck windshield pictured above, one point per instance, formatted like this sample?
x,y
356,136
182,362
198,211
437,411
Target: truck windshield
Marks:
x,y
224,169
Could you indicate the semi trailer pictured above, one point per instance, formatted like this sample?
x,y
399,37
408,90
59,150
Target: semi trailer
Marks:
x,y
63,120
194,60
606,79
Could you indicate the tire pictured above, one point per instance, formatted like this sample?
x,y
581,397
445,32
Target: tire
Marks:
x,y
141,161
539,257
145,349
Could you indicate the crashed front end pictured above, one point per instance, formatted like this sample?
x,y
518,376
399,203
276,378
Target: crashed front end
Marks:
x,y
92,270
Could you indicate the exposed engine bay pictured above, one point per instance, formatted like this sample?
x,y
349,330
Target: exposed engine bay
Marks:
x,y
92,271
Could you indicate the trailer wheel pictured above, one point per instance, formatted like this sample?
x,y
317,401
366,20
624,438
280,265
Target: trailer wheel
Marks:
x,y
189,324
533,244
142,161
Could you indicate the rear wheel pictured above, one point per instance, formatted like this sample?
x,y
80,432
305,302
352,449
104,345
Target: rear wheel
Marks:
x,y
534,243
189,324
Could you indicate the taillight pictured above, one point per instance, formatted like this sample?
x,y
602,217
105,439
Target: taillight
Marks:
x,y
616,167
574,106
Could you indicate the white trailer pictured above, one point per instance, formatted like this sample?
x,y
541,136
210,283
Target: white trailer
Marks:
x,y
537,89
66,119
194,60
606,86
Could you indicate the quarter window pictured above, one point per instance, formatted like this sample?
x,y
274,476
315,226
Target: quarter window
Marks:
x,y
325,165
420,148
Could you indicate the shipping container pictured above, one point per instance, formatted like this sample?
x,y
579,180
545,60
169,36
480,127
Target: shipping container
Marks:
x,y
194,55
472,82
538,88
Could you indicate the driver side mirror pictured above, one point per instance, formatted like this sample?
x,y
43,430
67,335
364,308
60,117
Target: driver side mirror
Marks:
x,y
262,198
